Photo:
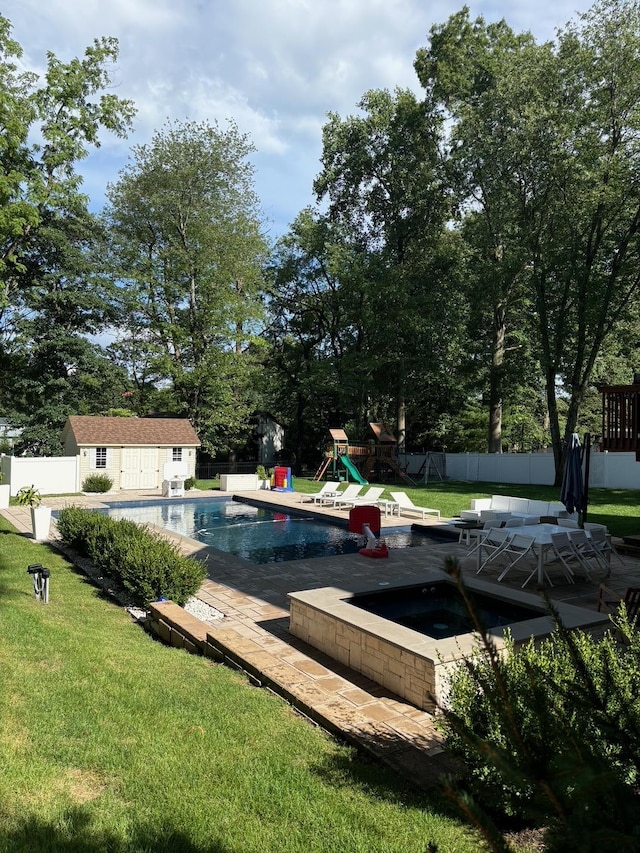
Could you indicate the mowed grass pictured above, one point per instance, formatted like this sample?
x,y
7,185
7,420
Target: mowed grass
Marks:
x,y
110,741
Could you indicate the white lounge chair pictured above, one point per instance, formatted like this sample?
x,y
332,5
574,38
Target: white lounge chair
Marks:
x,y
371,496
329,488
407,507
349,494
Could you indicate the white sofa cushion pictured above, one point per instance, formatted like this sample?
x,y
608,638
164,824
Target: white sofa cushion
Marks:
x,y
500,503
539,508
480,503
519,505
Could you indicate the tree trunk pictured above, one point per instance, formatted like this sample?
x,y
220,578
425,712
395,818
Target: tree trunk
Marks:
x,y
402,422
495,380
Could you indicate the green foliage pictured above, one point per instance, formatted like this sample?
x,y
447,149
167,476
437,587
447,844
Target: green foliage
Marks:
x,y
51,295
190,306
550,734
97,483
261,472
29,496
147,565
190,483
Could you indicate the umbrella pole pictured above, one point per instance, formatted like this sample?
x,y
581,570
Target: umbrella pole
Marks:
x,y
587,464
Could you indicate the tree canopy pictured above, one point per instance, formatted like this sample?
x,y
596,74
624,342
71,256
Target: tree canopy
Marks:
x,y
186,253
469,272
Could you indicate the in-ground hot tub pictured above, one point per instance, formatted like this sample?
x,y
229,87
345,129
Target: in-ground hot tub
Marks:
x,y
356,628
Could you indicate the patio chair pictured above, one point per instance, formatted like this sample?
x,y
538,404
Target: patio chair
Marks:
x,y
590,557
349,494
407,506
476,536
568,522
514,522
371,496
517,548
329,488
494,544
609,601
563,552
601,542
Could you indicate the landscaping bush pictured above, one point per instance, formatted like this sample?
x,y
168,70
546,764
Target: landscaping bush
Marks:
x,y
190,483
550,735
78,528
144,563
97,483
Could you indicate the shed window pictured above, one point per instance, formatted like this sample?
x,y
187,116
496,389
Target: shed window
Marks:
x,y
176,454
101,457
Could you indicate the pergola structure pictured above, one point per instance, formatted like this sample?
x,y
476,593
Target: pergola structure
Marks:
x,y
621,417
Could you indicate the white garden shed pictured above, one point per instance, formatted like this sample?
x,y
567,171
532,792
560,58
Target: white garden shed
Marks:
x,y
136,453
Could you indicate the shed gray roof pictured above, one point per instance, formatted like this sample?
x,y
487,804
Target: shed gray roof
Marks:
x,y
94,431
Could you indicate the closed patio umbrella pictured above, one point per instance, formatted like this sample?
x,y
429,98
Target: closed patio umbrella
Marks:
x,y
572,492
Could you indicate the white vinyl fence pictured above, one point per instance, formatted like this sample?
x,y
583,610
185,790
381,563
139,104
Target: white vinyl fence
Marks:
x,y
59,475
607,470
51,475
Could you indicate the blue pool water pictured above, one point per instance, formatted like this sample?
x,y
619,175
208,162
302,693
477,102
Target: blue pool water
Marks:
x,y
438,610
253,533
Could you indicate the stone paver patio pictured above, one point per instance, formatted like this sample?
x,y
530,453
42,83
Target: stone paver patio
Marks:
x,y
253,635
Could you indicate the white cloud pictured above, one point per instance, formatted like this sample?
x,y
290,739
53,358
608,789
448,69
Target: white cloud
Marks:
x,y
274,66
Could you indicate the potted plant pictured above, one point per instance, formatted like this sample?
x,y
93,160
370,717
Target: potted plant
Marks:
x,y
5,493
263,477
40,515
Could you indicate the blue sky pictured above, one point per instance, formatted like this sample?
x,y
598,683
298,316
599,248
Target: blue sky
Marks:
x,y
276,67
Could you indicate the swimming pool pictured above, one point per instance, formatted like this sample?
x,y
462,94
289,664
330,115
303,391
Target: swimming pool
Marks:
x,y
438,609
253,533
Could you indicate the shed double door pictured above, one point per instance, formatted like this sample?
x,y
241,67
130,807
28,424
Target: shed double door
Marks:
x,y
139,468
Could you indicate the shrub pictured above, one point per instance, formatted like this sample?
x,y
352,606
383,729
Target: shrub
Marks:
x,y
550,734
29,496
190,482
97,483
143,562
75,526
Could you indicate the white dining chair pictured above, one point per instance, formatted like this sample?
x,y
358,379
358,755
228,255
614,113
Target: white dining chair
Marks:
x,y
563,552
591,559
494,543
601,543
518,547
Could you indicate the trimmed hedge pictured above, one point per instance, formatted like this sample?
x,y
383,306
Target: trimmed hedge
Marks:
x,y
97,483
148,566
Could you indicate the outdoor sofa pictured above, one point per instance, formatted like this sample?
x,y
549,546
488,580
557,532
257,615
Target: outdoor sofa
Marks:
x,y
485,509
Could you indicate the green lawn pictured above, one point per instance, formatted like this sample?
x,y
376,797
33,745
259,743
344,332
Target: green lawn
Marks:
x,y
111,741
619,509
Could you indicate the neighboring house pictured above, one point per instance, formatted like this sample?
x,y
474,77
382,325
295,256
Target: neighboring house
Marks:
x,y
270,437
136,453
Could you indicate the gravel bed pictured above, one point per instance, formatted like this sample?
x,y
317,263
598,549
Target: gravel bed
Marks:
x,y
201,610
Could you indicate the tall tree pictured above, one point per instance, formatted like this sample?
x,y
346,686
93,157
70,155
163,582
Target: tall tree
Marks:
x,y
318,352
382,178
187,251
551,153
57,368
48,296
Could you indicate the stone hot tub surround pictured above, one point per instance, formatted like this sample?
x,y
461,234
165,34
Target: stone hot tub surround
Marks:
x,y
410,664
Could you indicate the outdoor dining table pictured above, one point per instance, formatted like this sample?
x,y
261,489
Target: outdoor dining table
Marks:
x,y
541,534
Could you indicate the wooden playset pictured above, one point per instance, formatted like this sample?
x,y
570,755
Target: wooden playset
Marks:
x,y
378,456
